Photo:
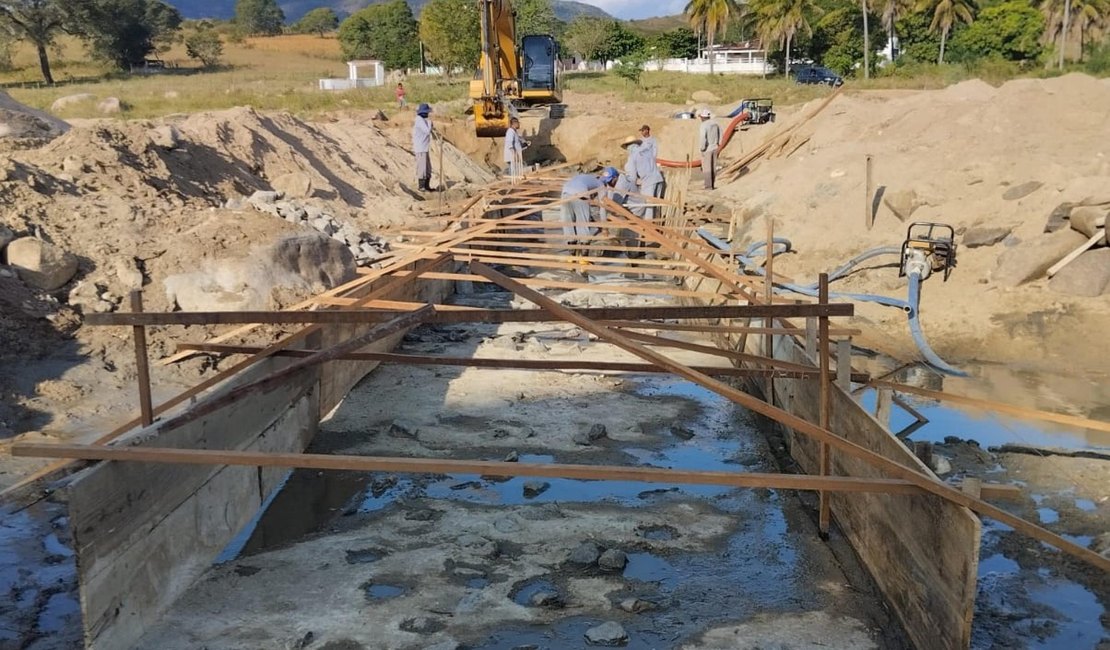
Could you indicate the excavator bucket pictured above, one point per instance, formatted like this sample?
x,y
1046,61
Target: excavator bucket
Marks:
x,y
490,125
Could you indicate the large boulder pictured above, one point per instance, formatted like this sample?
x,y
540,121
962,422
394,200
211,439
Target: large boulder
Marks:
x,y
1087,190
40,264
1031,259
321,261
294,185
1088,275
979,236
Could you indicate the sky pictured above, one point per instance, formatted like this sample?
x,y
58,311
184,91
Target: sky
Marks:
x,y
629,9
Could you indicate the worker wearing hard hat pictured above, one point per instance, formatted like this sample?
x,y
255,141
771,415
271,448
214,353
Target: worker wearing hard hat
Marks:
x,y
514,149
709,139
576,211
422,145
629,179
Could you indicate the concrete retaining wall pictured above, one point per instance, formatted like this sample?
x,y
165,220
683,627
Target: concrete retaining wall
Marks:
x,y
143,533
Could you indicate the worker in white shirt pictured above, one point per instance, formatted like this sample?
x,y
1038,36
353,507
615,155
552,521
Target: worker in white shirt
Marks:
x,y
650,177
514,150
576,212
422,145
709,139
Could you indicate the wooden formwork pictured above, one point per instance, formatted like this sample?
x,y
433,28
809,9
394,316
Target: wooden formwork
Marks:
x,y
878,493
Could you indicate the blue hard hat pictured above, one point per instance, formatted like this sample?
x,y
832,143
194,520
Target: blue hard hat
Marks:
x,y
609,173
423,109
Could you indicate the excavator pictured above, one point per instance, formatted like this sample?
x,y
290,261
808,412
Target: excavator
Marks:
x,y
511,79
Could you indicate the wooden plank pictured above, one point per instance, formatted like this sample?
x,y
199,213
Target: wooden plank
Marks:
x,y
152,318
721,329
142,364
714,351
521,364
824,514
882,463
997,407
1072,256
213,457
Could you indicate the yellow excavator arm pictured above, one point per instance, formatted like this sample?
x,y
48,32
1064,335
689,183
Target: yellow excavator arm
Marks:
x,y
508,78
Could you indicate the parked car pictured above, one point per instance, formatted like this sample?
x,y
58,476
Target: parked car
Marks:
x,y
814,74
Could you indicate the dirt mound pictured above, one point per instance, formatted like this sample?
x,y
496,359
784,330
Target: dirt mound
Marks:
x,y
971,156
22,126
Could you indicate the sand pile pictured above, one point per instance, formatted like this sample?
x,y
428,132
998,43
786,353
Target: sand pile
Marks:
x,y
22,127
993,162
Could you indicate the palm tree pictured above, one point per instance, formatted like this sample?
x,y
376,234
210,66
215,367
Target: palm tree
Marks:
x,y
780,21
1089,15
713,16
892,10
1074,15
945,14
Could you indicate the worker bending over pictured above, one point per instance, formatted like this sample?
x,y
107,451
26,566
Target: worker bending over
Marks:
x,y
576,212
422,145
514,150
709,139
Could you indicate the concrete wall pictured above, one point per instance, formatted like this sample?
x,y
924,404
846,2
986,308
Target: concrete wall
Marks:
x,y
922,551
143,533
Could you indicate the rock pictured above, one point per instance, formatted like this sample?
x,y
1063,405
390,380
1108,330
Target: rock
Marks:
x,y
1029,261
165,136
1059,217
324,262
69,100
705,97
609,633
422,625
1088,220
324,225
635,605
401,430
130,276
6,237
476,545
263,197
902,203
940,465
109,106
596,432
1021,191
511,457
235,203
379,117
612,560
546,599
1102,545
1088,275
295,185
533,489
507,525
102,306
40,264
681,432
581,438
1087,190
981,236
585,555
71,165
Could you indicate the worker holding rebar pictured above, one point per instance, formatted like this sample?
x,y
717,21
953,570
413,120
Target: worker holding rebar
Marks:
x,y
576,212
422,132
709,139
650,177
514,150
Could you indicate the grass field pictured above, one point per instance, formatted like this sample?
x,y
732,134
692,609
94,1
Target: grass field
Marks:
x,y
282,72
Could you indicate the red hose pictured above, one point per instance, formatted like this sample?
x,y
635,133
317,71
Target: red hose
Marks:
x,y
729,130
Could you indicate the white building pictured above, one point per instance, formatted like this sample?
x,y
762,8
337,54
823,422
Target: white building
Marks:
x,y
353,79
748,57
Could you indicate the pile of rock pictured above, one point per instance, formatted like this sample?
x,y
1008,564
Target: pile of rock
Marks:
x,y
39,264
365,247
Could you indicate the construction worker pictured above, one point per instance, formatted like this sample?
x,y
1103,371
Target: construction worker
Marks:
x,y
629,176
514,149
576,212
422,145
650,177
709,138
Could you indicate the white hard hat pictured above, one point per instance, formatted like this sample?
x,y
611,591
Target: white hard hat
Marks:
x,y
705,113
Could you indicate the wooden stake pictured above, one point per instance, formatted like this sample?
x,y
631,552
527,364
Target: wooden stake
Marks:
x,y
142,363
769,297
869,194
824,510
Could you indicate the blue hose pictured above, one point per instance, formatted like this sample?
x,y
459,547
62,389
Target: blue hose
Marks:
x,y
910,306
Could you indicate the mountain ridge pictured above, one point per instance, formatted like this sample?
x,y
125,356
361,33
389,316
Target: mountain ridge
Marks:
x,y
565,10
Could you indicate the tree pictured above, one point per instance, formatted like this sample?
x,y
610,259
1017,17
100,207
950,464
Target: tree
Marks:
x,y
36,21
631,67
318,21
779,21
680,43
386,32
588,36
1070,16
917,44
1010,31
838,40
714,16
204,45
534,17
620,41
449,30
124,32
945,14
890,12
259,17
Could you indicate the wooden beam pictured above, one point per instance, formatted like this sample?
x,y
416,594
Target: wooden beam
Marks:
x,y
147,319
998,407
824,511
399,324
140,454
142,364
800,425
518,364
722,329
446,314
714,351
